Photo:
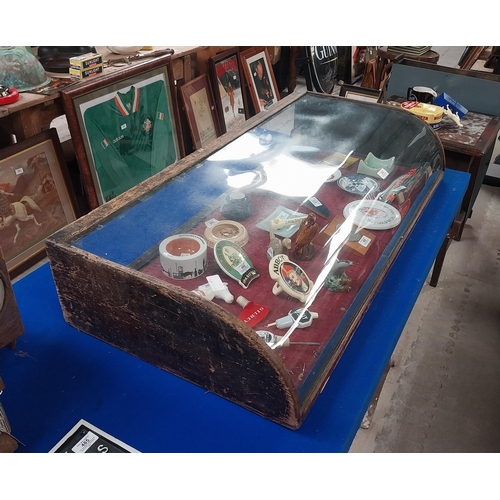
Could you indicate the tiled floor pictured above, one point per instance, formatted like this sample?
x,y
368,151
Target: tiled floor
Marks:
x,y
442,395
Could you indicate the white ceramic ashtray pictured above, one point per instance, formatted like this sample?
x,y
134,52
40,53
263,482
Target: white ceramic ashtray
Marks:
x,y
375,167
183,256
226,230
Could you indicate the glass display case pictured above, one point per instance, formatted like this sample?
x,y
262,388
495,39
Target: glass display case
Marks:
x,y
246,267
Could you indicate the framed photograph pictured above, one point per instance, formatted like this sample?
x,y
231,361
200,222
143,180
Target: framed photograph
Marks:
x,y
360,93
36,198
200,111
125,127
260,77
230,98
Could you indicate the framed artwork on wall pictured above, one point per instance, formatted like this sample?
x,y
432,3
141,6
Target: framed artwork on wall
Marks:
x,y
260,77
229,94
125,127
36,198
200,111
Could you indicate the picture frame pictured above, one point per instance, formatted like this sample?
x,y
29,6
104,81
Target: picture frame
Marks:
x,y
36,198
125,127
260,78
352,62
228,86
199,105
360,93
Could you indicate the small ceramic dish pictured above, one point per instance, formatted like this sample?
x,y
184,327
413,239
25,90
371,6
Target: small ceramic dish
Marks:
x,y
335,176
226,230
375,167
358,184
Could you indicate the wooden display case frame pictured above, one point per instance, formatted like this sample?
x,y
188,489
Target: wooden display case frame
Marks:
x,y
180,332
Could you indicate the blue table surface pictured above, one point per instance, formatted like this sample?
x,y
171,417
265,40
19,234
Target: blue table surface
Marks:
x,y
56,375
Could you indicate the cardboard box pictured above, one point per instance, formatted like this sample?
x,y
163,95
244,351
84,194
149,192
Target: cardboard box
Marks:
x,y
84,73
86,61
444,99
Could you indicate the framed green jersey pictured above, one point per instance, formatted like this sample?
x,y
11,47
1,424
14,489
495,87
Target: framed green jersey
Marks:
x,y
125,127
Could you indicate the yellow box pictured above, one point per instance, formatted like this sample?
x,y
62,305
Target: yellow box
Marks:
x,y
84,73
86,61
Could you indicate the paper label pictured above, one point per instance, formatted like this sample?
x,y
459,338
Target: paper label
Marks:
x,y
211,222
282,216
243,267
19,171
382,173
364,241
315,201
85,443
215,282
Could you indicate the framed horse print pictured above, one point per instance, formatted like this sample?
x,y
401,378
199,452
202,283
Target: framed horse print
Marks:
x,y
36,198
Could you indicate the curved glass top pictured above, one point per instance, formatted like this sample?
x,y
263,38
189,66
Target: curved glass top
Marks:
x,y
351,176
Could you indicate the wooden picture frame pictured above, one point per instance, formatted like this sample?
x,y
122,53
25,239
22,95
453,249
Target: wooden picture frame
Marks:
x,y
36,198
228,86
260,78
352,61
125,127
360,93
199,105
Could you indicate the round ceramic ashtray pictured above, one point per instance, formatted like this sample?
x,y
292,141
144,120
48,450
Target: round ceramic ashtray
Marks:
x,y
373,214
226,230
8,95
183,256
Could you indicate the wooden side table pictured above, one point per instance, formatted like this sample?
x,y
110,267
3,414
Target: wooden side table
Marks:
x,y
467,149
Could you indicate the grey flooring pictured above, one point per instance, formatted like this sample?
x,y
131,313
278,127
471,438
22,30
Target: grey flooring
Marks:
x,y
442,395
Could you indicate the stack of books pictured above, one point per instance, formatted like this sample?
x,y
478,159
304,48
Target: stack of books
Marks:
x,y
411,51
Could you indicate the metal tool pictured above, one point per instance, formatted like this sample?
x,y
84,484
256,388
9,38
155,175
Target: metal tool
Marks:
x,y
271,339
127,60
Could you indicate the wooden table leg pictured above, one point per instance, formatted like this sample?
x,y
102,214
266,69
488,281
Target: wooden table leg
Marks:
x,y
453,234
367,420
293,69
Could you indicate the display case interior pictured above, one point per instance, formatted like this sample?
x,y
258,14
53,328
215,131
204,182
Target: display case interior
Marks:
x,y
246,268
